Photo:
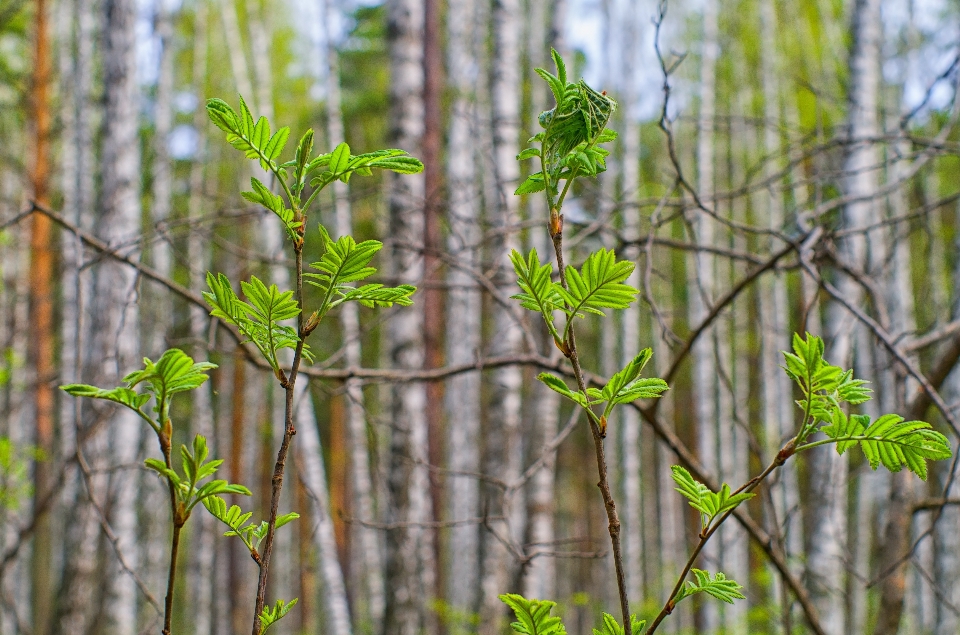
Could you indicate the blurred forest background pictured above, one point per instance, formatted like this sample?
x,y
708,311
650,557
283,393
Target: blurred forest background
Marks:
x,y
439,473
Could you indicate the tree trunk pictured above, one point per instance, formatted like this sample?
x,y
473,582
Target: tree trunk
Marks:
x,y
41,321
540,574
366,554
409,569
828,542
778,408
464,309
504,446
702,287
310,458
116,337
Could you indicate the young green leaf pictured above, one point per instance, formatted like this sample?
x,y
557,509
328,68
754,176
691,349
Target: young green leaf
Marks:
x,y
627,385
557,385
610,626
598,285
719,587
532,184
263,196
270,615
540,293
897,443
533,616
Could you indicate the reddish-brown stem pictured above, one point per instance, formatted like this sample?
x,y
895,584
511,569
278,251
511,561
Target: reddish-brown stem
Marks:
x,y
613,520
785,452
178,522
288,431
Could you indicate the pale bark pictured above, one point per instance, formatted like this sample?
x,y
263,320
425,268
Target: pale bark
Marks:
x,y
310,459
464,310
203,526
778,408
633,525
80,531
116,337
947,539
540,575
409,566
504,446
366,550
703,283
828,542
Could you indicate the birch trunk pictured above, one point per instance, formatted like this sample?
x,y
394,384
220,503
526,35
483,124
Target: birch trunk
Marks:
x,y
504,440
116,337
778,408
633,526
366,552
947,571
310,458
203,530
464,309
702,287
828,542
409,583
81,530
540,575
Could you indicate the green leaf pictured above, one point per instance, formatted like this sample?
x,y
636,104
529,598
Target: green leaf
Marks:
x,y
540,293
302,157
556,384
123,396
258,319
896,443
710,504
346,261
598,285
379,296
253,139
533,616
533,184
627,385
719,587
610,626
158,466
529,153
262,195
270,615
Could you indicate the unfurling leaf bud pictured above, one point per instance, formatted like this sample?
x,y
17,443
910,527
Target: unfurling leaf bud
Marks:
x,y
556,223
603,426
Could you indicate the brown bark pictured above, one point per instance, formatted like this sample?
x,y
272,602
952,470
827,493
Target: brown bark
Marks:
x,y
432,208
41,319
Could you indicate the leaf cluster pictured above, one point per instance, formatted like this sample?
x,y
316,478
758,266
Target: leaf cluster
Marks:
x,y
188,489
259,319
710,504
534,618
173,373
624,387
252,534
719,586
572,132
889,441
271,615
345,261
598,285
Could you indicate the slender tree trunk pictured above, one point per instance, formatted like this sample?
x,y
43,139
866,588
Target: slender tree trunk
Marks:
x,y
702,289
504,445
80,527
778,408
633,526
464,309
310,458
828,542
409,575
116,339
540,575
366,550
41,320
